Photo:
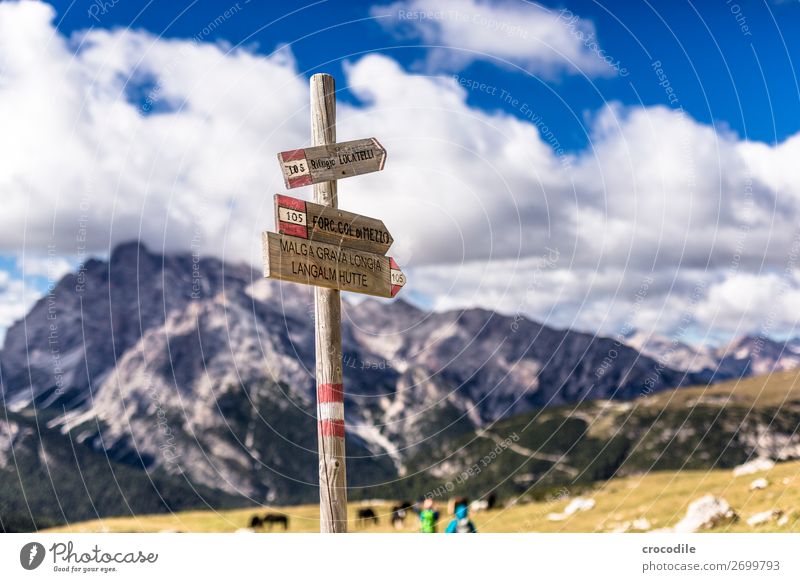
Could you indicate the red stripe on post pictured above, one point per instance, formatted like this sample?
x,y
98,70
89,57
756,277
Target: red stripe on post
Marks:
x,y
299,181
293,203
293,155
293,229
395,289
330,393
393,264
328,428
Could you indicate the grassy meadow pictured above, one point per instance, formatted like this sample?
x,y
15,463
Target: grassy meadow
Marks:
x,y
659,497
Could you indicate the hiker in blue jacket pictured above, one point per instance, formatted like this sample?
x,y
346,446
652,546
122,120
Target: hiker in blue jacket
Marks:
x,y
461,523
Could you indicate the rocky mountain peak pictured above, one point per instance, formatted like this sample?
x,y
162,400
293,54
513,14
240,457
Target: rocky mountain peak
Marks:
x,y
145,344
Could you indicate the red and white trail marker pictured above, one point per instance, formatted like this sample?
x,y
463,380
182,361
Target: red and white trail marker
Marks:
x,y
396,277
331,162
320,223
333,250
330,410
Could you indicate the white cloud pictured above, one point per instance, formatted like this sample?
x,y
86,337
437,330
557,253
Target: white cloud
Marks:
x,y
77,152
16,298
768,304
524,34
472,197
50,267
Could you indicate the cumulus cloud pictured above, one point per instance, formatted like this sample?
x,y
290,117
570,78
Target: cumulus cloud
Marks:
x,y
51,268
194,153
119,134
16,298
526,34
768,304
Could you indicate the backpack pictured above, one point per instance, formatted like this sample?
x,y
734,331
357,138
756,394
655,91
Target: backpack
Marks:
x,y
464,526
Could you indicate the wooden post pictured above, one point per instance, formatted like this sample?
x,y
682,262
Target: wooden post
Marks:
x,y
328,317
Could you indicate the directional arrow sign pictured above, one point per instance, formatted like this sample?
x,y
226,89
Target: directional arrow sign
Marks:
x,y
298,260
331,162
330,225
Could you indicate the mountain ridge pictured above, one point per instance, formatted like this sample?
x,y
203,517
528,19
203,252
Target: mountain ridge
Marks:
x,y
196,369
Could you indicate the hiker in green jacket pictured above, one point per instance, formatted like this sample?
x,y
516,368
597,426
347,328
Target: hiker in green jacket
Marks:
x,y
428,517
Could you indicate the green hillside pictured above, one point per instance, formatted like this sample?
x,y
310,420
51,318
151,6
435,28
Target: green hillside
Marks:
x,y
52,479
533,458
718,426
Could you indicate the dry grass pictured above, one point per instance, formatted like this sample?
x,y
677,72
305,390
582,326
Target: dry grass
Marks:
x,y
774,390
661,498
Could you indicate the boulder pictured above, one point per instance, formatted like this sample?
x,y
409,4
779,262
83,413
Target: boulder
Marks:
x,y
706,513
641,524
579,504
759,483
764,517
620,528
754,466
574,506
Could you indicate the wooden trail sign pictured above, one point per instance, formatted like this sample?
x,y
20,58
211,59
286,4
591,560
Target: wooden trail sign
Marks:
x,y
298,260
318,244
320,223
331,162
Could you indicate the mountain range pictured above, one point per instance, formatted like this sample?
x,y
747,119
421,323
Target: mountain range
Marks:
x,y
744,356
150,382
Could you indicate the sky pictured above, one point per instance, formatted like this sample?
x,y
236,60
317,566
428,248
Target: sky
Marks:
x,y
601,166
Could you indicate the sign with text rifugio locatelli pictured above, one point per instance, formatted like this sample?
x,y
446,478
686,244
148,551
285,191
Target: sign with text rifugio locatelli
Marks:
x,y
325,163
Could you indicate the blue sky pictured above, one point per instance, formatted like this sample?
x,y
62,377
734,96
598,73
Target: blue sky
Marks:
x,y
739,80
642,144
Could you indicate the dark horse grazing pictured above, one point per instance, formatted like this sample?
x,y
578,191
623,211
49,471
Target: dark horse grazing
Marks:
x,y
365,515
399,513
491,500
273,518
270,519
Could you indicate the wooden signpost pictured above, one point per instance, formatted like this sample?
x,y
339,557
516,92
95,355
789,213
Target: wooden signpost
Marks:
x,y
333,250
331,162
297,260
315,222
